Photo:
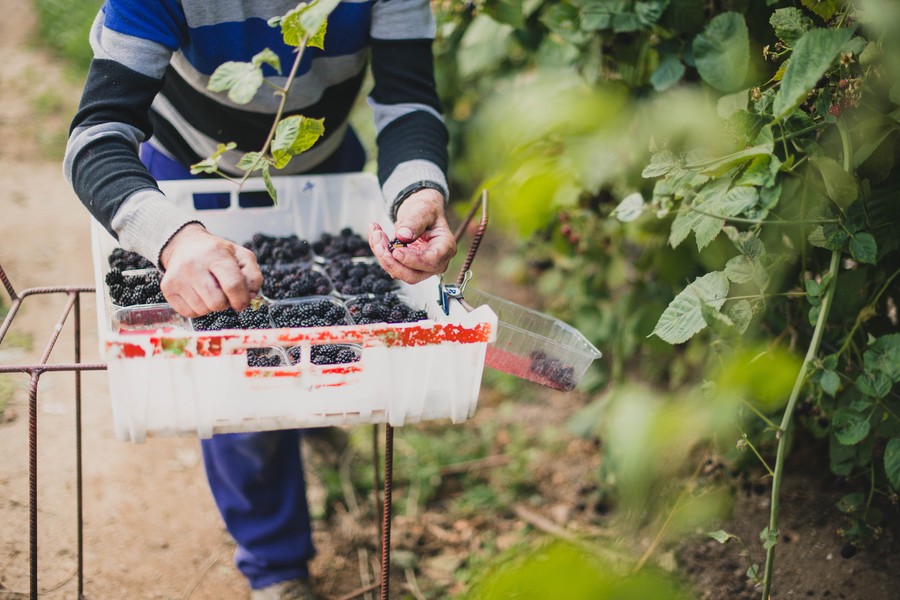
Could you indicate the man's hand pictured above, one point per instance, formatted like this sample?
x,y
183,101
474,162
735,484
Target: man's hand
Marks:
x,y
205,273
421,225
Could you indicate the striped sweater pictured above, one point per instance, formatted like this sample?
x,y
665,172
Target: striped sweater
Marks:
x,y
147,83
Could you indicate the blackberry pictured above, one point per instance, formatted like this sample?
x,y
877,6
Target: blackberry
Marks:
x,y
347,244
254,319
388,308
273,250
327,354
317,313
280,283
214,321
357,278
259,357
124,260
561,375
130,290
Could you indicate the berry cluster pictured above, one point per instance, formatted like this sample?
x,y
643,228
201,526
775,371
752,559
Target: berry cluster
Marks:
x,y
316,313
347,244
272,250
388,308
280,283
131,290
260,357
327,354
354,278
248,318
560,374
124,260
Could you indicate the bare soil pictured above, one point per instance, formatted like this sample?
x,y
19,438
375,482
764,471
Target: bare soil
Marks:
x,y
151,530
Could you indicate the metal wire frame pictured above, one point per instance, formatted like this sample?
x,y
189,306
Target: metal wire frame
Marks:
x,y
73,304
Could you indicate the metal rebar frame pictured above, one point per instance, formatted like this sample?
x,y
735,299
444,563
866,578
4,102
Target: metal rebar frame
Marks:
x,y
73,304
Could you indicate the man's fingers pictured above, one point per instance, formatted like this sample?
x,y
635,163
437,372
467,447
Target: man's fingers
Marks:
x,y
250,271
231,284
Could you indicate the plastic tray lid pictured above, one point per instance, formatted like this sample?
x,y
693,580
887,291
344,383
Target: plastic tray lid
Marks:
x,y
533,345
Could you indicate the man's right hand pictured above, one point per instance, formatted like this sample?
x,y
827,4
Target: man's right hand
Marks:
x,y
206,273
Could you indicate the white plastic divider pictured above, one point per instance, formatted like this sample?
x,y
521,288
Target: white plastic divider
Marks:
x,y
178,382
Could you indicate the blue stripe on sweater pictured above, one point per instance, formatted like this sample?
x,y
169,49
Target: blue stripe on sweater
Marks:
x,y
211,45
164,25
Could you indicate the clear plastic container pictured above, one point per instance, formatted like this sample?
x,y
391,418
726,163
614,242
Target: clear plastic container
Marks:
x,y
533,345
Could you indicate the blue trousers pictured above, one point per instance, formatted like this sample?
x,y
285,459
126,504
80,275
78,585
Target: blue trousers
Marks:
x,y
256,479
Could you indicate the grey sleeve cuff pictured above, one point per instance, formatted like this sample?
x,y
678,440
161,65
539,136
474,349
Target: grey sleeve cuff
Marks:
x,y
411,173
146,221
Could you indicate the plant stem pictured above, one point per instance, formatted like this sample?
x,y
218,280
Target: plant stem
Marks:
x,y
760,221
811,353
871,304
788,414
284,96
758,455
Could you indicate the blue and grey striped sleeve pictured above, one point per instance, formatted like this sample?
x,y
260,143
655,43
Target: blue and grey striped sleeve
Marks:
x,y
411,135
132,43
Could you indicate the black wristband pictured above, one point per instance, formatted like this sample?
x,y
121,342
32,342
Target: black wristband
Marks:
x,y
412,189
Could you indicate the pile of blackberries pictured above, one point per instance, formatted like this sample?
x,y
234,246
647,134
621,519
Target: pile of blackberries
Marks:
x,y
326,354
280,283
260,357
124,260
272,250
347,244
312,313
248,318
561,375
388,308
353,278
131,290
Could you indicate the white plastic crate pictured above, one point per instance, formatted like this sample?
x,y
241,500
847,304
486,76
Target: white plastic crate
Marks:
x,y
166,379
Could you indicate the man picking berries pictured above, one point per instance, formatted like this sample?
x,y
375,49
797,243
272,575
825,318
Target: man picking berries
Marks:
x,y
146,115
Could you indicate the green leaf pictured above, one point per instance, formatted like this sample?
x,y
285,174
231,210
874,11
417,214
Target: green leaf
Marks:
x,y
668,73
883,356
251,161
840,185
506,11
660,164
790,24
294,135
683,317
892,462
630,208
306,20
830,382
769,537
739,269
721,536
874,385
241,79
863,248
851,502
812,56
626,23
823,8
850,427
817,237
740,313
211,164
649,11
267,57
763,145
270,186
762,171
718,206
722,52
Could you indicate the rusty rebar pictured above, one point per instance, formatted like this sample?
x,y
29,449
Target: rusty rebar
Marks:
x,y
375,468
32,482
386,512
476,238
9,287
79,482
